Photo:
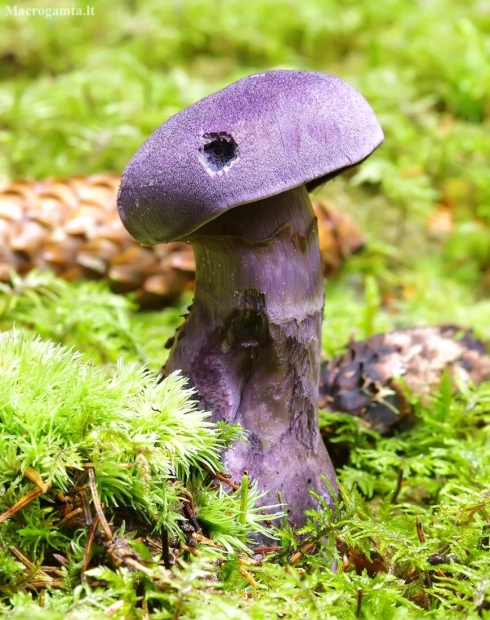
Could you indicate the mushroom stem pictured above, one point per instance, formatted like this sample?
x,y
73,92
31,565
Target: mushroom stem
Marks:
x,y
251,343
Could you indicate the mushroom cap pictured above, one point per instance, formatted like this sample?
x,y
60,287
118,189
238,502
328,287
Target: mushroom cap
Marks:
x,y
258,137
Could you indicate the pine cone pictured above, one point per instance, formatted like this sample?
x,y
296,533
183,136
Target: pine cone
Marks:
x,y
376,377
71,226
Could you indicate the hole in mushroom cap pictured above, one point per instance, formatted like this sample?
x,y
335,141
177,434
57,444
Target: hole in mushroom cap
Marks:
x,y
219,151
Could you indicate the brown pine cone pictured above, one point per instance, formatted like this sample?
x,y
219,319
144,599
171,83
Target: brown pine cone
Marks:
x,y
71,226
375,378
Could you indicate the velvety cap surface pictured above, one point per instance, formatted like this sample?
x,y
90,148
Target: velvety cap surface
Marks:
x,y
260,136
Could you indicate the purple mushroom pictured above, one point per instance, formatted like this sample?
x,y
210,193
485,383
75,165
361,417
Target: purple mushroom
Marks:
x,y
230,175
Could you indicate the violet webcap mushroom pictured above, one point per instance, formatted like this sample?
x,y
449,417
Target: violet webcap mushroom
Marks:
x,y
230,175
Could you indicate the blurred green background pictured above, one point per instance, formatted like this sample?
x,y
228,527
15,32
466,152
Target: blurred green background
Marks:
x,y
80,94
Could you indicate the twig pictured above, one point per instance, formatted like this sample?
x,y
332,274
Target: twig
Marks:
x,y
22,503
134,564
69,516
37,479
191,550
306,548
40,585
271,549
166,549
420,529
86,506
222,477
226,478
248,562
189,512
40,574
88,546
53,570
359,602
61,559
398,488
248,577
296,557
202,539
97,504
114,608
